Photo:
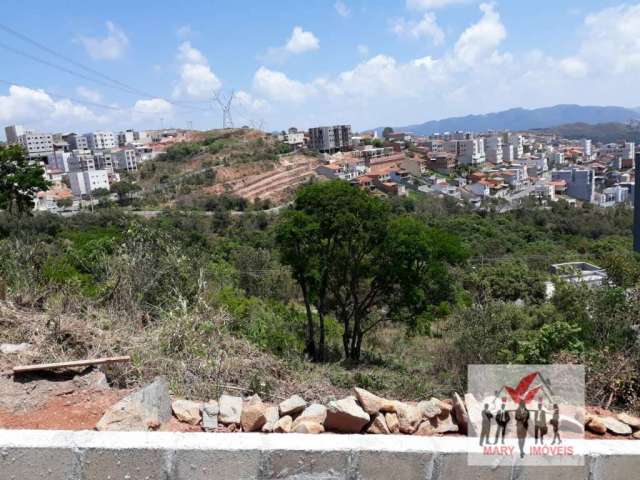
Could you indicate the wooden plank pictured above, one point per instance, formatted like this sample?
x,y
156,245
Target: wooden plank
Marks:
x,y
76,363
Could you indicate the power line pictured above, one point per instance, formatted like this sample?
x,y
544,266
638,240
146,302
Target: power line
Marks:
x,y
74,73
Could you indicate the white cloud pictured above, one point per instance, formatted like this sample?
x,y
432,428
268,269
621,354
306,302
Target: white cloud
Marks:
x,y
301,41
89,94
110,47
342,8
426,27
574,67
363,50
36,107
151,109
197,80
251,103
277,86
431,4
481,39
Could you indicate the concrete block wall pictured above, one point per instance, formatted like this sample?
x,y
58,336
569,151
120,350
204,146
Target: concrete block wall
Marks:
x,y
58,455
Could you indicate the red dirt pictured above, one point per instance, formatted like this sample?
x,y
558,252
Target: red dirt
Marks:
x,y
78,410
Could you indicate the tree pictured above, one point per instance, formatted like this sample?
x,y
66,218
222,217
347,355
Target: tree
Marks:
x,y
377,143
20,180
125,190
352,259
387,131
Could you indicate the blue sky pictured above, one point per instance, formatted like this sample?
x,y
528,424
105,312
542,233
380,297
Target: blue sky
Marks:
x,y
365,62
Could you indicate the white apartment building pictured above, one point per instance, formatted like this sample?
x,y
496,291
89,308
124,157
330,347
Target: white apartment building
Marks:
x,y
37,144
100,140
468,152
493,150
586,148
12,132
85,182
103,160
517,141
629,151
127,137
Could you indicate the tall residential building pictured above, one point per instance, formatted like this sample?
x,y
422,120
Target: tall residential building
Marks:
x,y
100,140
580,182
81,161
629,151
36,144
12,132
125,159
468,152
586,148
330,139
493,149
85,182
76,141
103,160
127,137
517,141
59,160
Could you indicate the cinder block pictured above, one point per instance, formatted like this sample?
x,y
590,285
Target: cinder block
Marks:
x,y
394,465
134,464
299,464
456,466
36,463
560,472
216,464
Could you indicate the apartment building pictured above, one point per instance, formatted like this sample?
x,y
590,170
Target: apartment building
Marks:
x,y
580,182
103,160
125,159
76,141
85,182
493,150
58,160
100,140
330,139
81,161
468,152
127,137
13,132
36,144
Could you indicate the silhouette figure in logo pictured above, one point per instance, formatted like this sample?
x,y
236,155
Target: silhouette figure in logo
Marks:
x,y
486,424
555,423
522,419
540,423
502,419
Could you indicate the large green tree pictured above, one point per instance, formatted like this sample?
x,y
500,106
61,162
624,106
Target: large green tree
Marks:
x,y
20,180
353,259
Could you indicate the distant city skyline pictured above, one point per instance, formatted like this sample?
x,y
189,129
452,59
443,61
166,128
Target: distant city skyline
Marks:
x,y
144,65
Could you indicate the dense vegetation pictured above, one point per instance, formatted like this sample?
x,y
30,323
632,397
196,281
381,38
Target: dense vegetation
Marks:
x,y
602,132
213,300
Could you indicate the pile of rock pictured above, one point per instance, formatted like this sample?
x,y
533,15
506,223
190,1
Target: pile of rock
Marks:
x,y
361,412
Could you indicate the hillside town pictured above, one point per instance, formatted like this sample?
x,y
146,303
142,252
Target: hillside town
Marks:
x,y
501,169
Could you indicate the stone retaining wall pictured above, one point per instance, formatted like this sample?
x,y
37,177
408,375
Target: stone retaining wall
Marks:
x,y
58,455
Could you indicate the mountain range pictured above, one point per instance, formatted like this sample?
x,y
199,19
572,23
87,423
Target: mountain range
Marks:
x,y
519,119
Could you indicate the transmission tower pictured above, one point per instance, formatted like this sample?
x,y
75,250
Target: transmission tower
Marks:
x,y
225,105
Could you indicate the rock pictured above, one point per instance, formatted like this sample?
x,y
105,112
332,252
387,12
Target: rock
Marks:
x,y
425,429
272,416
346,416
292,405
444,423
633,422
210,411
637,435
308,426
379,425
392,422
474,412
616,427
315,412
373,404
11,348
145,409
594,424
253,399
230,409
187,411
409,417
429,409
444,405
253,416
570,424
284,424
460,413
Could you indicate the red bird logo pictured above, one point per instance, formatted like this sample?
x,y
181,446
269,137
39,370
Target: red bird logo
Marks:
x,y
522,392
